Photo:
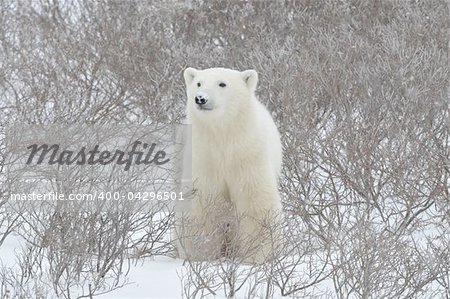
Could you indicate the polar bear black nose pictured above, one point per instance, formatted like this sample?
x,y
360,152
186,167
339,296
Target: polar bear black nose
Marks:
x,y
200,100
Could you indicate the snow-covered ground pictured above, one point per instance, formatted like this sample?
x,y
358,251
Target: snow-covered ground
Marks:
x,y
155,277
152,278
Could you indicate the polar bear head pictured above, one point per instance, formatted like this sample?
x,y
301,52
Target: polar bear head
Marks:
x,y
219,94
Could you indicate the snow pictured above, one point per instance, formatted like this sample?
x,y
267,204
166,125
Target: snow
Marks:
x,y
152,278
155,277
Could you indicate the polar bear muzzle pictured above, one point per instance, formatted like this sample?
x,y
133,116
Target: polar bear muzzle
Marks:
x,y
201,99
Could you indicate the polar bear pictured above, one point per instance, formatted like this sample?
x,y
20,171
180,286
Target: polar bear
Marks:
x,y
236,161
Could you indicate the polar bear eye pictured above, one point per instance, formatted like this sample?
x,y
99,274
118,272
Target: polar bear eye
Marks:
x,y
198,84
222,84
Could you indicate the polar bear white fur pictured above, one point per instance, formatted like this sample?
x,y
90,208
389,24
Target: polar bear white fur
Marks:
x,y
236,162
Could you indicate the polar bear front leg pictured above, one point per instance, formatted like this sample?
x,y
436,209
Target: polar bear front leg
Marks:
x,y
204,223
258,208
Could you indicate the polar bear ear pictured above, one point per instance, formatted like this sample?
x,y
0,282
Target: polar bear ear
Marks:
x,y
189,75
250,78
